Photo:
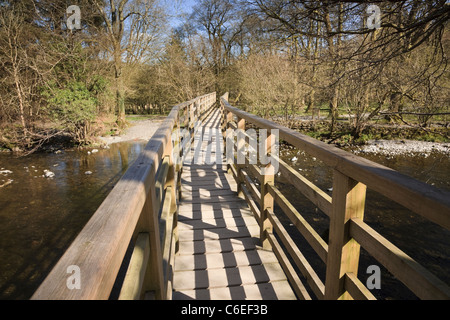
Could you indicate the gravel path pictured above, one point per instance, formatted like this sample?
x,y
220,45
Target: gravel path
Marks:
x,y
138,130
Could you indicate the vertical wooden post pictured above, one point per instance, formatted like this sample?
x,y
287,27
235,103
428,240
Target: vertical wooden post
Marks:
x,y
203,105
222,116
171,187
343,252
186,117
174,178
199,109
267,201
240,142
229,118
191,120
149,222
179,154
197,113
154,276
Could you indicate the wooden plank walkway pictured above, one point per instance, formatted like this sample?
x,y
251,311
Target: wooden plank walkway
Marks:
x,y
220,256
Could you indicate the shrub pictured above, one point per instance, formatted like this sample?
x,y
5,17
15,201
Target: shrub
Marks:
x,y
74,107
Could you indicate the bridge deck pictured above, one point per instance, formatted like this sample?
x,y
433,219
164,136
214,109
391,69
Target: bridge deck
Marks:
x,y
220,256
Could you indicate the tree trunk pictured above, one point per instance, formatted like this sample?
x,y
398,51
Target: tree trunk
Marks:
x,y
334,109
120,95
120,105
314,111
337,65
21,101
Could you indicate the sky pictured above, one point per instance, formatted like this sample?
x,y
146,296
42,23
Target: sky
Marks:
x,y
179,6
188,4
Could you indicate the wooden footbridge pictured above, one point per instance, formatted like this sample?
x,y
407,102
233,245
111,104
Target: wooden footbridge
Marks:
x,y
180,226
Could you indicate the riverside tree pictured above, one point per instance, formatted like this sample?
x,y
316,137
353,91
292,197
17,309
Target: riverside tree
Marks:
x,y
131,29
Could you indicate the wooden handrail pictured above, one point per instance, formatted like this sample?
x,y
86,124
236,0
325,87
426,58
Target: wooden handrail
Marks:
x,y
352,176
130,213
141,210
428,201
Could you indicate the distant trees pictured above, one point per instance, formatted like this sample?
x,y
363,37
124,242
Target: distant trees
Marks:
x,y
17,74
358,69
276,58
131,29
176,76
57,80
270,83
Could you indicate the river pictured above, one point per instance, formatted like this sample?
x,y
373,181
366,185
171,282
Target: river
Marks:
x,y
40,217
424,241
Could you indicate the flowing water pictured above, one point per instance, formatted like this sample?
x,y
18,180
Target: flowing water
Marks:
x,y
424,241
40,217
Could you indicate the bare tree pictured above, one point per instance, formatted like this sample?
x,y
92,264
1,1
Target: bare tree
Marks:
x,y
13,59
131,27
268,83
335,37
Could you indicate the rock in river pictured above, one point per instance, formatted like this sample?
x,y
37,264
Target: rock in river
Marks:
x,y
48,174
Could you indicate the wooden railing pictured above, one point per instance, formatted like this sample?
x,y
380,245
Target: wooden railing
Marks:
x,y
138,216
352,175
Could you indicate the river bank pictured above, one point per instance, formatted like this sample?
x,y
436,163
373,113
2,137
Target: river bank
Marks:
x,y
137,130
105,133
403,147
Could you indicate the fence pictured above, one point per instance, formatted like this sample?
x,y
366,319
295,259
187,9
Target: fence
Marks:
x,y
139,215
352,175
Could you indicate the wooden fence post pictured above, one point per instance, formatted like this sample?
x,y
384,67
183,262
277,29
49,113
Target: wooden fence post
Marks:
x,y
154,276
192,119
186,117
240,142
343,252
150,223
223,118
170,186
174,178
267,201
228,119
178,153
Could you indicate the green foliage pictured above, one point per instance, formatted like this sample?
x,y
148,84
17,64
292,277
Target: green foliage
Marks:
x,y
98,85
74,107
73,104
364,138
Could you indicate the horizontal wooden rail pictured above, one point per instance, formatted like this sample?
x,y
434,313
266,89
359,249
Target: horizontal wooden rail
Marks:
x,y
317,196
132,213
300,260
345,209
294,279
356,289
428,201
251,195
418,279
313,238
